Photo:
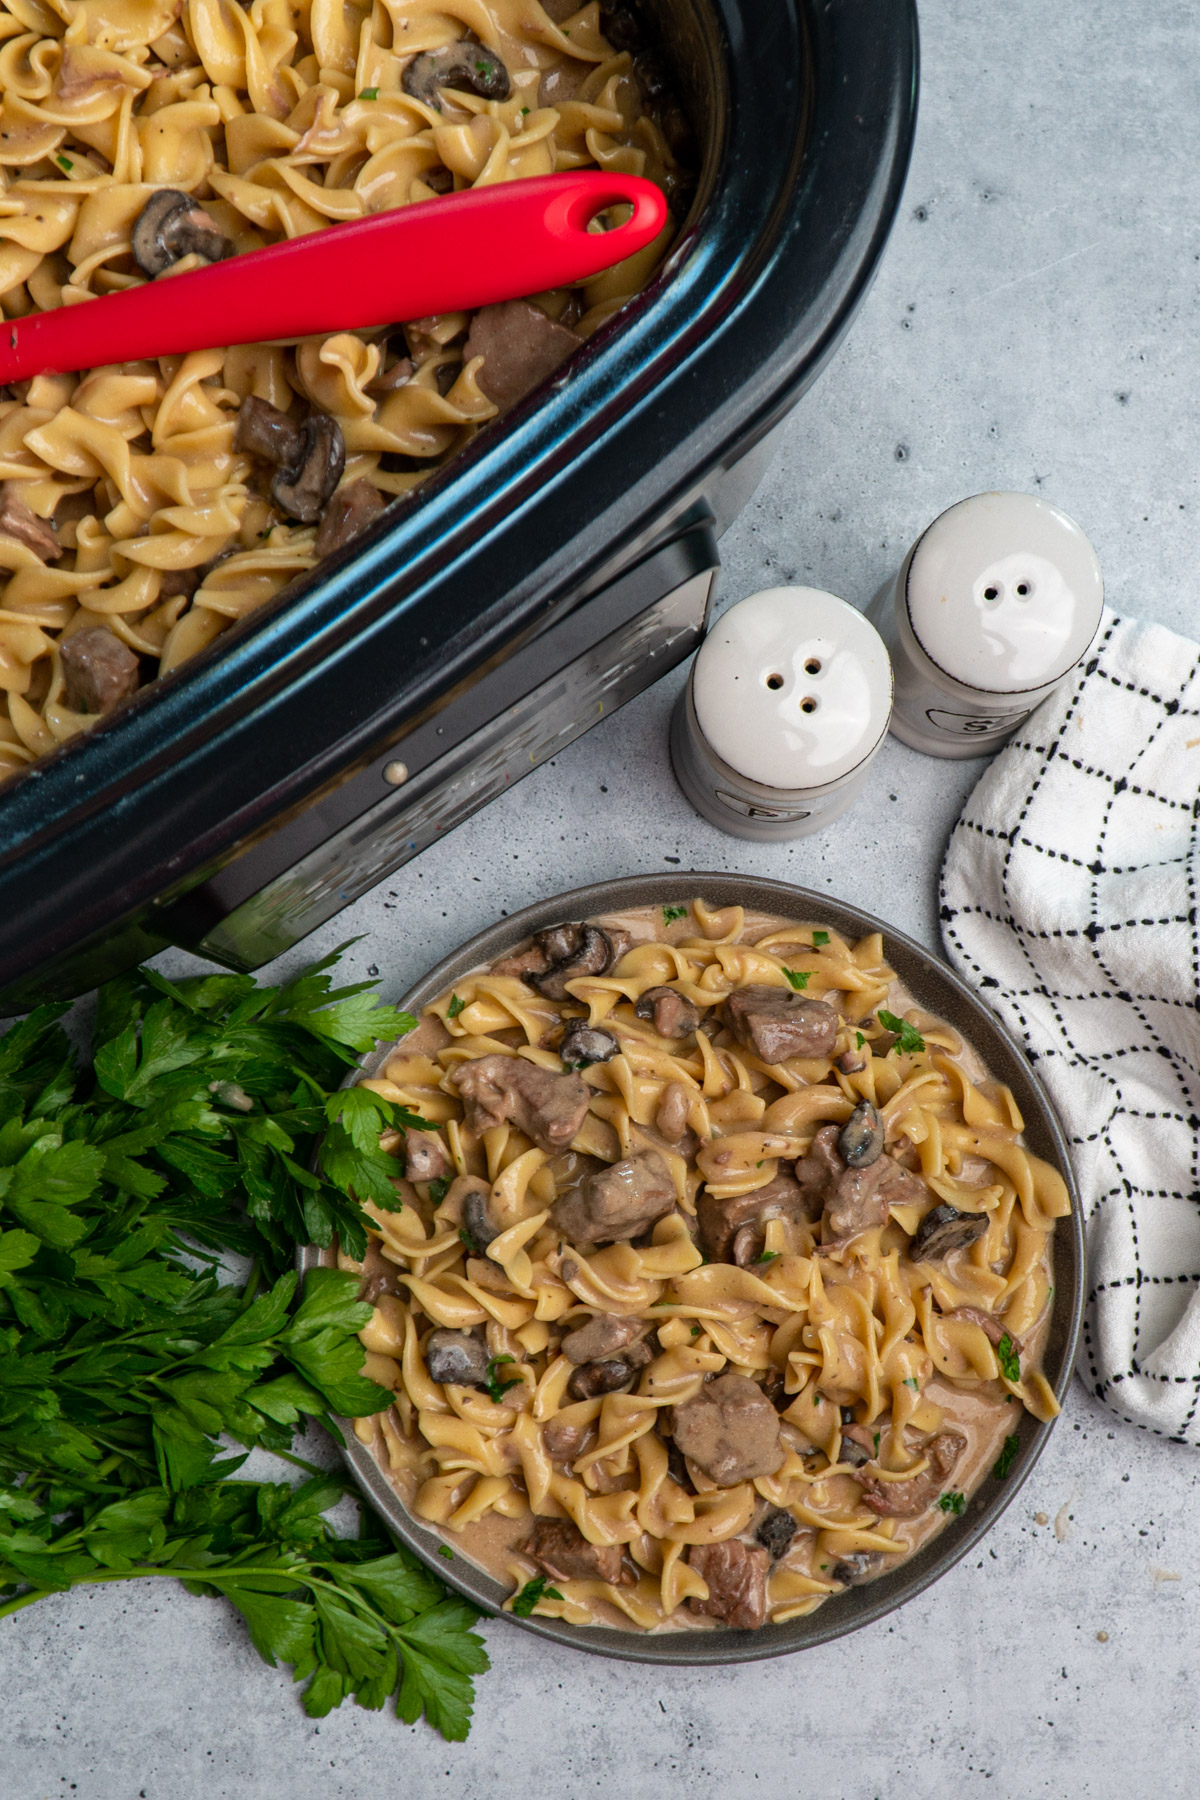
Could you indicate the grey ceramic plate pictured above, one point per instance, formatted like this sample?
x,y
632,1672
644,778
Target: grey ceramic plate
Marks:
x,y
936,988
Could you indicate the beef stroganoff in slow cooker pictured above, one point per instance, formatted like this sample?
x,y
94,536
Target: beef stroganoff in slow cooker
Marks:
x,y
146,507
719,1275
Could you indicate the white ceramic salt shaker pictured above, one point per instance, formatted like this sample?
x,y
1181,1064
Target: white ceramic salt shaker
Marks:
x,y
786,704
994,604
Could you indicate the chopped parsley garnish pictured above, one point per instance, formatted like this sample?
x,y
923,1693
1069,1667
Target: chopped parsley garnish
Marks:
x,y
908,1038
64,162
797,978
820,939
695,1331
952,1502
439,1187
524,112
767,1256
468,1240
861,1040
671,913
1006,1458
446,1551
369,94
495,1387
1006,1356
531,1593
455,1007
912,1382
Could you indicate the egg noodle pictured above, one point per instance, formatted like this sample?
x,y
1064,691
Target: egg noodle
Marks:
x,y
847,1334
125,504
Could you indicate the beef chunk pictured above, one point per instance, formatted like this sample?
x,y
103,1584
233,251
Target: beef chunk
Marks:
x,y
564,1438
614,1372
601,1337
776,1023
853,1200
349,511
945,1229
736,1576
619,1201
532,960
730,1431
549,1108
908,1499
561,1549
458,1357
721,1221
18,520
520,348
670,1014
99,670
425,1157
379,1276
775,1531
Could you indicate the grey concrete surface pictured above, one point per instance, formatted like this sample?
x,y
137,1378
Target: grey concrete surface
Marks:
x,y
1034,326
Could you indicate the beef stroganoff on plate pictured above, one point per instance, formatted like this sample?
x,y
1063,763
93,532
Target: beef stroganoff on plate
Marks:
x,y
717,1277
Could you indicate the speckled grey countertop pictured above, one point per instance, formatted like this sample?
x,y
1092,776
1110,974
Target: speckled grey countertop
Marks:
x,y
1034,326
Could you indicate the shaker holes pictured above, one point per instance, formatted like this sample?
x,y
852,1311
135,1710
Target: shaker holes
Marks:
x,y
808,704
774,681
812,666
991,593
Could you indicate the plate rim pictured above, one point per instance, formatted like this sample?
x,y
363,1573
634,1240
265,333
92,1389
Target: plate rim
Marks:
x,y
716,1647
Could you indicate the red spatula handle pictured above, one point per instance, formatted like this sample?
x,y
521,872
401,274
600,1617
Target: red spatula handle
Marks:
x,y
445,255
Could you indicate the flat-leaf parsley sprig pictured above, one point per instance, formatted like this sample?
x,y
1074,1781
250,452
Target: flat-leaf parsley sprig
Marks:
x,y
131,1372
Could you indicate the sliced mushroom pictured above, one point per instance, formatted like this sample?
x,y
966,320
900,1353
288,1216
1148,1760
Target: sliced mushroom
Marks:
x,y
303,489
856,1568
775,1531
475,1215
860,1141
262,430
671,1015
573,950
585,1044
613,1372
945,1229
170,226
670,1120
471,68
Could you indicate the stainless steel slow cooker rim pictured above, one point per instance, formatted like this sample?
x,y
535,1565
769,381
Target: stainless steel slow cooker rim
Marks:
x,y
856,1607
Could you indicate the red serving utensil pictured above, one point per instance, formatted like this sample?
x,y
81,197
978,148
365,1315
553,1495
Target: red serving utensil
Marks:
x,y
446,255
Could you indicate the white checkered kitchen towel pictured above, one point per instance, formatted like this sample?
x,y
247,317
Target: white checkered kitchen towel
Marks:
x,y
1069,895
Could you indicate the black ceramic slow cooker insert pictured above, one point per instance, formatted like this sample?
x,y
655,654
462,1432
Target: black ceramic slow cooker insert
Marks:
x,y
555,568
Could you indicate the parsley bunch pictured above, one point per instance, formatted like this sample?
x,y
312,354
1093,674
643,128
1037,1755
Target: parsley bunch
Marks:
x,y
129,1366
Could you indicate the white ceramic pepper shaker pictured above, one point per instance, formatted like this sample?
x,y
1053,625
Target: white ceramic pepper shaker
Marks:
x,y
994,604
785,706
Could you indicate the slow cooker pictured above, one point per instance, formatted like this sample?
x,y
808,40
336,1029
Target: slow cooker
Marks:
x,y
555,568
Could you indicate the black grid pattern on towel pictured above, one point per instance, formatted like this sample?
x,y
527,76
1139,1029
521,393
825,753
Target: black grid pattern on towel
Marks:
x,y
1045,907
